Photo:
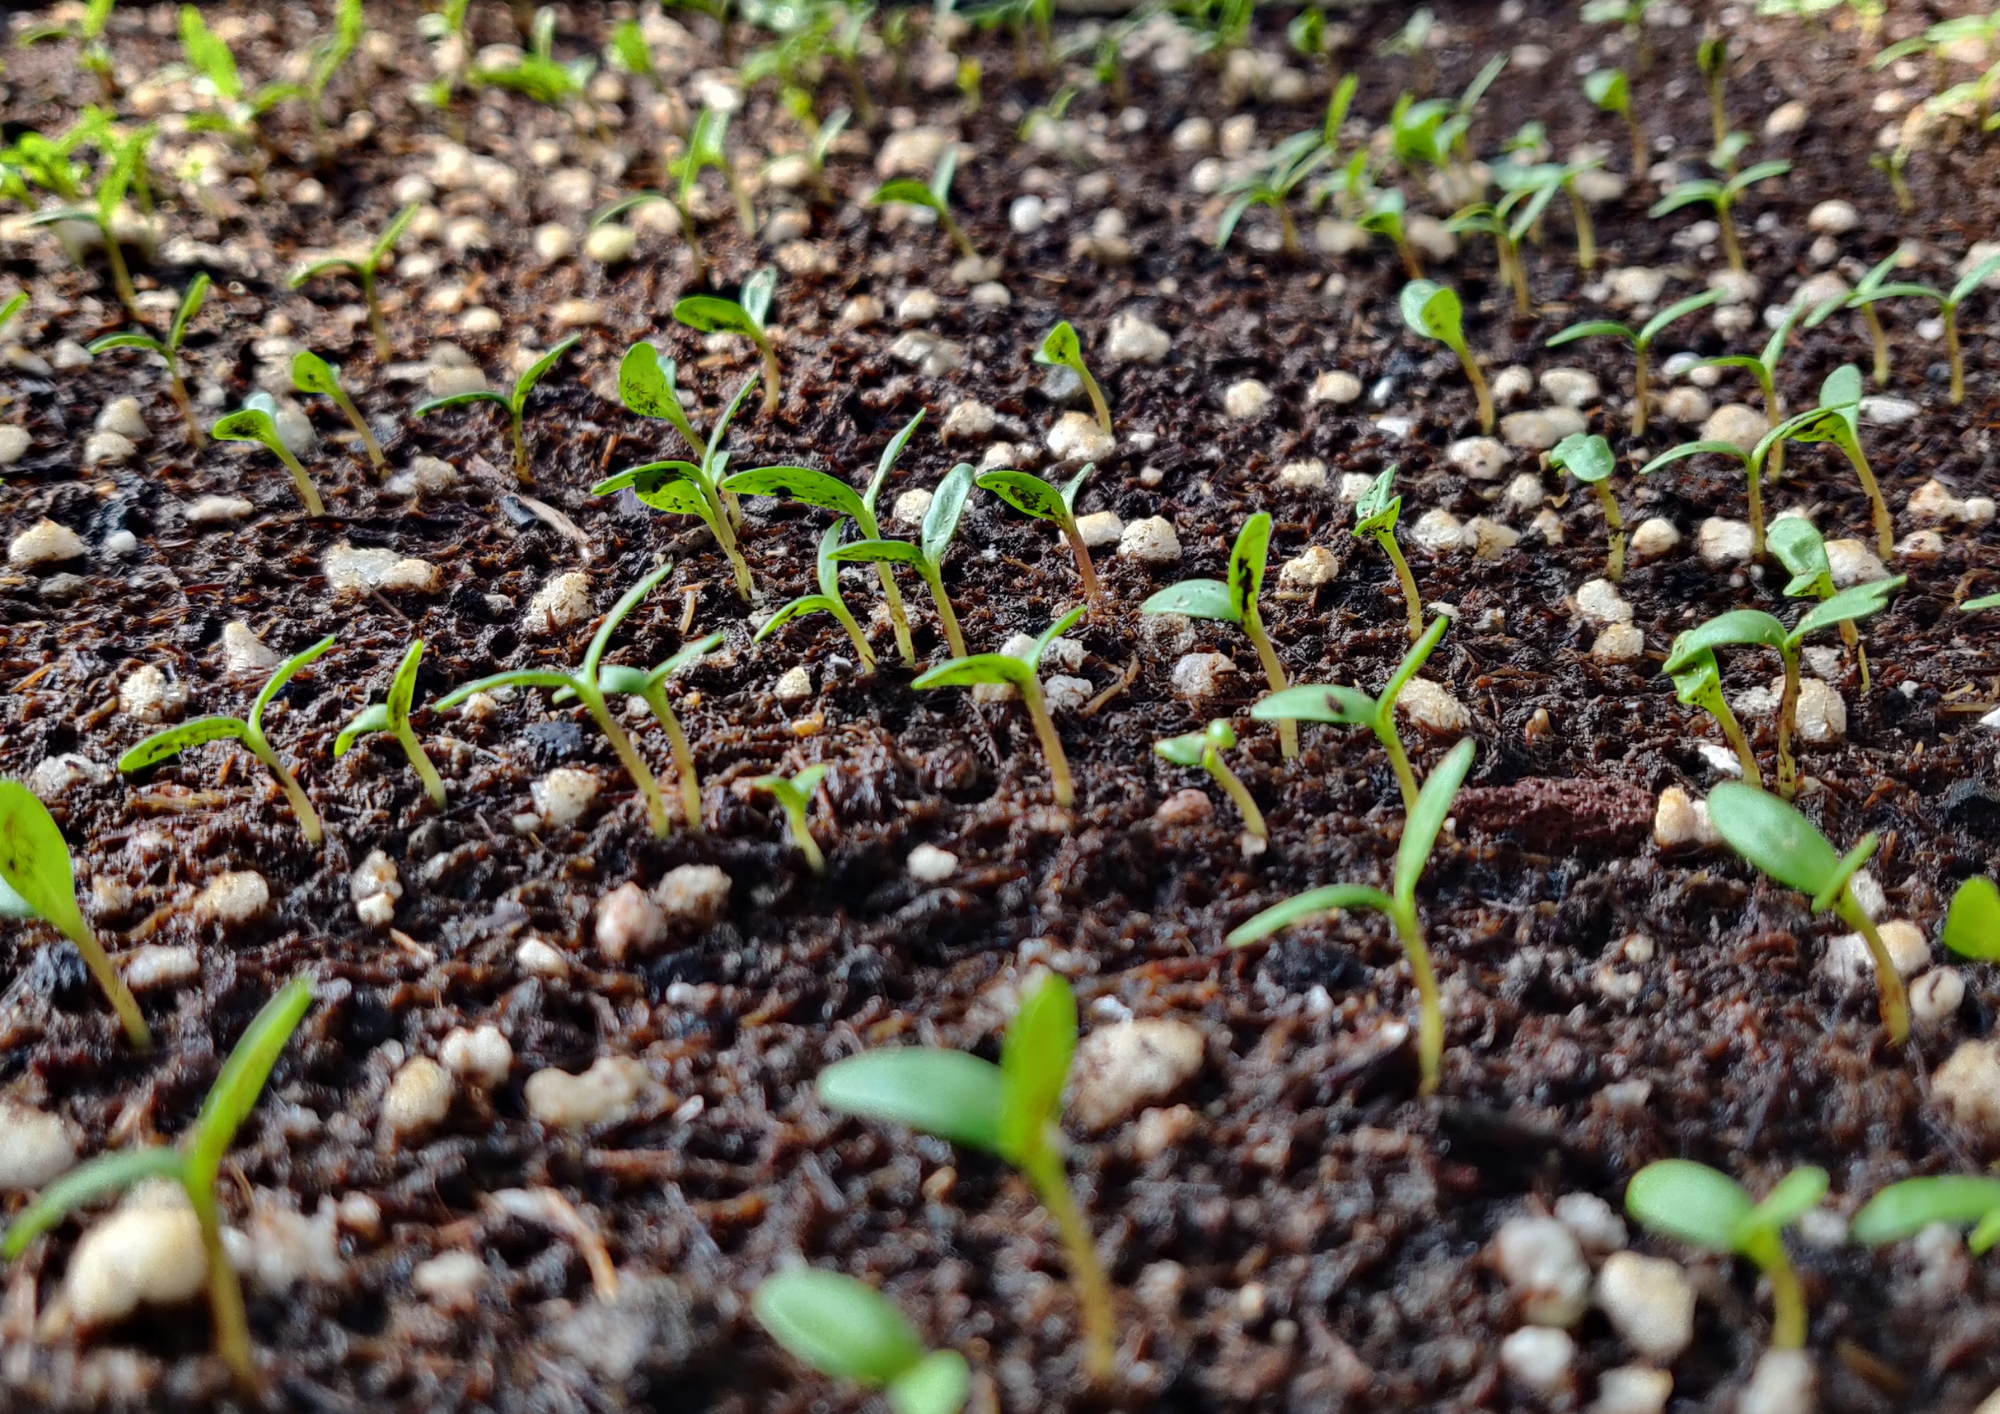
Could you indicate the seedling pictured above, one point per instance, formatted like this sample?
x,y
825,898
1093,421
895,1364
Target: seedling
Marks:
x,y
256,421
1512,219
195,1165
37,881
1375,516
1420,831
926,556
537,75
1579,211
816,488
1012,1110
1711,58
362,270
828,600
1722,196
514,403
1236,603
392,715
795,795
933,196
1062,349
646,386
1588,457
704,150
1611,91
1021,674
1351,707
128,157
313,374
1905,1209
1837,419
1032,496
1707,1209
1788,848
1272,185
247,731
1641,341
650,687
1972,923
328,54
1631,14
1412,42
240,111
1764,368
1385,217
1698,683
1948,303
1802,552
168,349
1768,448
711,314
584,685
1862,297
87,29
847,1330
1204,749
1754,626
1434,311
17,302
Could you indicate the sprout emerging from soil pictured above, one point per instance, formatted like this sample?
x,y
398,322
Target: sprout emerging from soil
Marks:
x,y
1236,603
1698,683
128,158
392,715
18,301
1837,419
537,75
1788,848
1972,923
1032,496
650,687
1384,217
1722,196
1905,1209
1799,548
240,112
362,271
1420,832
1948,302
313,374
1711,59
1375,516
37,881
1754,626
816,488
828,600
1204,749
926,556
745,315
1589,458
1769,448
87,29
583,684
1021,674
934,196
1434,311
514,403
1012,1110
1611,91
196,1166
646,386
256,421
1641,341
1510,221
1062,349
169,348
794,794
1764,368
847,1330
1862,297
1272,185
1710,1210
248,731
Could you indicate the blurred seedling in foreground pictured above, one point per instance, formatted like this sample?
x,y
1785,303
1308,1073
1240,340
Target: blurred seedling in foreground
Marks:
x,y
1032,496
128,158
362,270
257,421
93,55
794,795
313,374
514,403
1903,1210
169,348
1721,197
745,315
392,715
1204,749
1021,674
847,1330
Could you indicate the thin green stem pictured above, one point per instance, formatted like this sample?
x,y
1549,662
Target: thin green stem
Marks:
x,y
1052,748
1430,1016
1410,265
309,825
1788,707
1952,352
772,374
225,1295
957,234
1730,246
628,755
663,712
1274,674
893,597
1097,402
1233,787
746,214
801,831
1479,388
307,492
719,522
854,636
1639,163
521,472
1879,338
1732,731
1084,569
954,639
115,991
1895,1001
1885,528
1756,498
177,390
1614,569
1641,391
1586,232
1774,413
121,278
383,351
346,405
1093,1292
1399,759
1412,601
420,762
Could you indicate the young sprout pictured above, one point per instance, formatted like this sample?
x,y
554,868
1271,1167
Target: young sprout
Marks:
x,y
583,684
646,386
1682,1199
1905,1209
514,403
1768,448
247,731
1385,217
1511,220
934,196
392,715
169,349
37,881
1012,1110
128,157
1611,91
1862,297
1589,458
711,314
1204,749
196,1165
1412,42
1420,832
926,557
847,1330
1021,674
1764,368
650,687
209,56
1837,419
1711,58
1948,303
1698,683
1641,341
828,600
536,75
1722,196
795,795
18,301
1375,516
1062,349
256,421
313,374
1579,211
1786,847
93,54
362,270
1272,185
1972,923
1236,603
1434,311
1032,496
1754,626
1799,548
816,488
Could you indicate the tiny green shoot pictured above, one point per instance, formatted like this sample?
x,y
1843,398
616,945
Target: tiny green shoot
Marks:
x,y
1062,349
256,421
128,159
1641,341
1271,184
1204,749
1384,216
847,1330
933,196
1375,516
1905,1209
650,687
828,600
514,404
926,556
1611,91
1032,496
169,348
1797,544
1698,683
1837,419
392,715
1862,297
746,315
1764,368
1589,458
1722,196
794,795
1972,923
313,374
1948,302
1021,674
362,270
1434,311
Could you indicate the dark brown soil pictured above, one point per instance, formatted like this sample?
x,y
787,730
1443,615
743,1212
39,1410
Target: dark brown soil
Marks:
x,y
1329,1226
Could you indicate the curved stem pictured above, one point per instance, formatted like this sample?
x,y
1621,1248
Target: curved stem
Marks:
x,y
225,1296
177,389
628,755
1412,601
1615,565
1233,787
1885,528
1093,1292
1430,1015
1788,706
663,712
957,234
307,492
420,762
1097,403
1399,759
1410,266
1732,731
1479,388
113,986
1895,1001
954,639
1052,748
854,636
360,425
309,825
1085,571
121,278
795,819
1274,673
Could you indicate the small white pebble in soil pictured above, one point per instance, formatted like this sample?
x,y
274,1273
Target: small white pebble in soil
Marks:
x,y
243,651
14,444
1315,567
1936,996
794,684
1784,1382
44,543
1599,602
1539,1358
1543,1266
969,421
1632,1389
1433,708
39,1147
1620,643
537,958
102,447
1160,1129
1488,539
911,507
927,864
610,243
1967,1089
279,1247
148,1252
233,899
153,966
122,415
564,795
1853,563
1523,495
1134,339
1681,821
1122,1067
418,1098
562,602
451,1280
1077,437
1198,677
1336,386
1722,543
1303,476
1653,538
481,1056
1512,383
1247,399
1650,1301
1187,807
1438,530
1479,458
694,894
604,1094
1820,714
553,241
629,923
1687,406
1067,694
1100,528
1151,541
1595,1223
351,571
1737,424
1540,429
1570,387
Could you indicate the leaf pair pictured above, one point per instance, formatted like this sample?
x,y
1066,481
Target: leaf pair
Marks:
x,y
168,349
1019,673
926,556
1060,348
257,421
392,715
514,403
746,316
933,196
